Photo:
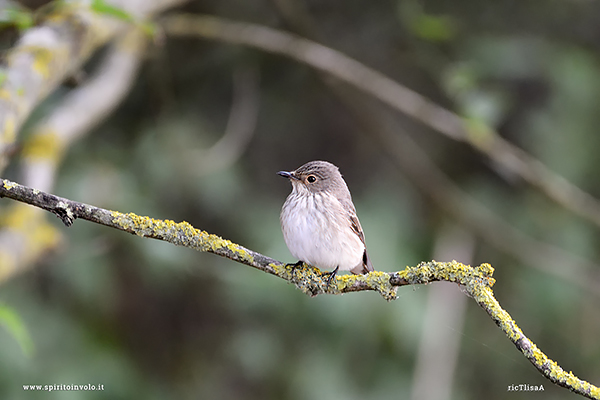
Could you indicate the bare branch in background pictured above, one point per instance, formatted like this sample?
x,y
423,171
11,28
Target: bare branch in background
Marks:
x,y
26,235
394,95
240,127
481,220
47,54
476,282
81,110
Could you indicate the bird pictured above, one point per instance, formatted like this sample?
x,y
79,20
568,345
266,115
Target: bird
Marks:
x,y
319,222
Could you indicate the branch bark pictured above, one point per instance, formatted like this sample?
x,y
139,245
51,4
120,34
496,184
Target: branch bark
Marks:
x,y
476,282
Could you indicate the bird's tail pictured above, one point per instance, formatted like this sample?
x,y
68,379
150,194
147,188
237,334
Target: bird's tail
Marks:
x,y
365,266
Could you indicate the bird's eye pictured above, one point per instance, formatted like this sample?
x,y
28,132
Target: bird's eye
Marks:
x,y
311,179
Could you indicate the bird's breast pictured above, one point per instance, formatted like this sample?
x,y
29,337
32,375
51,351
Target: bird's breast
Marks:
x,y
316,229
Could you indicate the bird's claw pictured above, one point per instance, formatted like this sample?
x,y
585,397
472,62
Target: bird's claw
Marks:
x,y
332,275
294,266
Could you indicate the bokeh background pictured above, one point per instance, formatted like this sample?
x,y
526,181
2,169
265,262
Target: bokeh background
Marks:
x,y
150,320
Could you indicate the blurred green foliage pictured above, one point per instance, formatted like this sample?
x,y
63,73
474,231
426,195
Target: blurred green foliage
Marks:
x,y
14,15
13,324
149,320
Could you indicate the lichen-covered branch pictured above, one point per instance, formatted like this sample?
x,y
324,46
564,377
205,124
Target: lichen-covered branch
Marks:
x,y
390,92
477,282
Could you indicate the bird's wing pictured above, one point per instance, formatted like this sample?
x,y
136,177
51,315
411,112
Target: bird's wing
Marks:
x,y
356,228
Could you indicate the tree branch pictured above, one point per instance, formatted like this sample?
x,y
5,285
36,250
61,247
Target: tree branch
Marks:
x,y
477,282
48,53
26,235
238,132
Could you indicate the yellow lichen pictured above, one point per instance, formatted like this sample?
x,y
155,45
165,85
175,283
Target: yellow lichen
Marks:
x,y
381,281
18,217
40,237
44,146
484,296
27,226
9,129
44,236
281,269
5,94
7,265
9,185
175,232
28,220
216,242
241,252
43,58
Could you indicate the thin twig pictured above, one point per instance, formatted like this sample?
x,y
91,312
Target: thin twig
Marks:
x,y
477,282
239,130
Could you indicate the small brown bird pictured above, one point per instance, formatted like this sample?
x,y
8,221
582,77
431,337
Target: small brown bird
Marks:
x,y
319,221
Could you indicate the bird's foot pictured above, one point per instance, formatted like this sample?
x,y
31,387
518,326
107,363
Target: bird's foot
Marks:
x,y
331,274
294,266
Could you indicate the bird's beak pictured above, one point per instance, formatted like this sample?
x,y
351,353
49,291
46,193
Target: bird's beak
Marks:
x,y
288,175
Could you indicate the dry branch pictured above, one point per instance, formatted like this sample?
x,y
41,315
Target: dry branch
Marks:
x,y
476,282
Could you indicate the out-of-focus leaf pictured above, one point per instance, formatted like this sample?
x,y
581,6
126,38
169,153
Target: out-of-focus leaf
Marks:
x,y
100,6
460,78
17,329
2,75
149,28
22,19
438,28
477,101
427,26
